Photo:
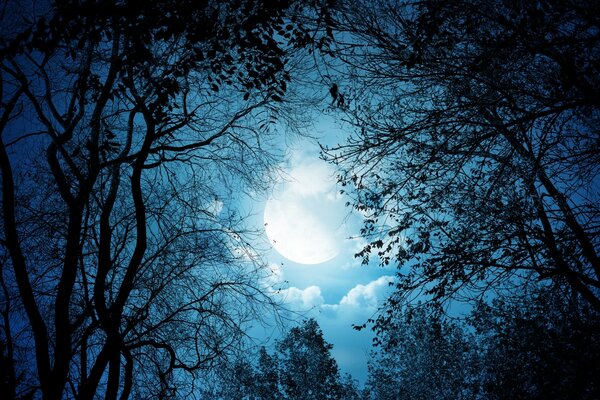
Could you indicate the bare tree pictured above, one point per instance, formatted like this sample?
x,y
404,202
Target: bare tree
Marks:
x,y
475,156
127,130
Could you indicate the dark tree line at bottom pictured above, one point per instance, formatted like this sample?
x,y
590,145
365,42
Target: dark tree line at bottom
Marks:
x,y
540,345
300,367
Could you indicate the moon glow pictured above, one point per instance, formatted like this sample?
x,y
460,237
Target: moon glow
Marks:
x,y
300,219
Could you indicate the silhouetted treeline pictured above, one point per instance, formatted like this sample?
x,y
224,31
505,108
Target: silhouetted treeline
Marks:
x,y
475,161
544,345
300,367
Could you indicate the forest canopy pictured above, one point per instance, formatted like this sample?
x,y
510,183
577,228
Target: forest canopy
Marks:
x,y
130,129
475,152
126,126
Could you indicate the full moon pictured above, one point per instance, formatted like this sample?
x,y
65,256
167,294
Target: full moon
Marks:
x,y
302,217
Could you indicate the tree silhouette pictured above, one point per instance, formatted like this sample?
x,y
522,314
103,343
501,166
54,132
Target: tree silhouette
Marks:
x,y
307,369
302,367
539,345
126,129
267,376
475,157
422,356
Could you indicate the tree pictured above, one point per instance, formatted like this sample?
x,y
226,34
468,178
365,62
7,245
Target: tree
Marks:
x,y
423,356
248,376
541,345
302,368
475,157
307,369
125,129
538,345
350,389
267,376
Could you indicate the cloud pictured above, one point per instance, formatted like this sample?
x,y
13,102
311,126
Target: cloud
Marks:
x,y
302,299
351,348
360,299
369,295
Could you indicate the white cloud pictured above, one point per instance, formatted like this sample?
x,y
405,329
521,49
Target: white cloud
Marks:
x,y
302,299
351,347
360,300
369,295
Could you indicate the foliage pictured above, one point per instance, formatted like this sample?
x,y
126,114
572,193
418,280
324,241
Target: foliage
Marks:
x,y
126,129
475,157
309,371
475,162
422,356
542,345
301,369
545,347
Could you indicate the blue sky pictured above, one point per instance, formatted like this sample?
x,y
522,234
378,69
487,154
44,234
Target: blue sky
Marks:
x,y
340,291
